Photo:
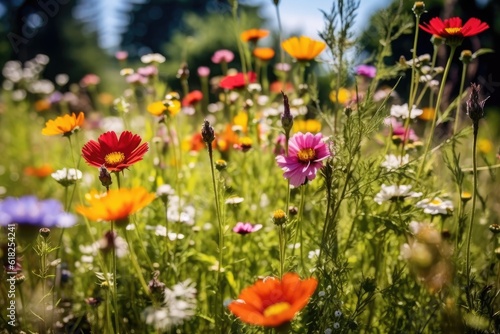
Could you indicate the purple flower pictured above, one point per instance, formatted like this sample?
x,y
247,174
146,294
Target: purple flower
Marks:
x,y
306,153
398,130
366,71
223,56
28,210
245,228
203,71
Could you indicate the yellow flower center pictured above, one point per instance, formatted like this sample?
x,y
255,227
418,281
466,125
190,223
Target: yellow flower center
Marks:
x,y
453,31
114,158
436,201
276,309
306,154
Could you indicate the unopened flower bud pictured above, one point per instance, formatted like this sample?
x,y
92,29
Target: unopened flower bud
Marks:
x,y
474,106
20,278
293,210
220,165
466,56
465,196
419,8
183,72
437,40
494,228
105,177
44,232
207,133
279,217
286,117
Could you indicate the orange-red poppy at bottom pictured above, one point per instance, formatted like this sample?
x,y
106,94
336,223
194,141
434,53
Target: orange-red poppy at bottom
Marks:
x,y
272,302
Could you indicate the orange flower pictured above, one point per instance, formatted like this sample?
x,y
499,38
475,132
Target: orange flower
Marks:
x,y
63,125
40,172
263,54
303,48
427,114
42,105
116,204
253,35
271,302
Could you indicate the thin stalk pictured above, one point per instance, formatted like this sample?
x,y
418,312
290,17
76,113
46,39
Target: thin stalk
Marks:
x,y
473,209
462,82
115,293
221,236
436,110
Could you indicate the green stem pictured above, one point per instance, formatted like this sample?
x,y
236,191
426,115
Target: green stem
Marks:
x,y
115,293
473,209
436,111
221,238
462,82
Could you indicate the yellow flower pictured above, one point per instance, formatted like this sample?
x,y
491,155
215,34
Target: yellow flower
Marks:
x,y
303,48
484,146
116,204
173,107
304,126
156,108
241,120
63,125
344,96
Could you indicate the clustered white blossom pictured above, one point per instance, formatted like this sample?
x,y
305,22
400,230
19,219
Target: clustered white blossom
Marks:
x,y
403,112
178,306
395,192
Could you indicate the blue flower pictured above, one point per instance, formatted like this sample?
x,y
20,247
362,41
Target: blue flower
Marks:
x,y
29,210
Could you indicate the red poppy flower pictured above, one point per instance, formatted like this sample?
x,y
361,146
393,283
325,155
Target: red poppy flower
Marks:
x,y
272,302
238,80
453,29
192,98
114,153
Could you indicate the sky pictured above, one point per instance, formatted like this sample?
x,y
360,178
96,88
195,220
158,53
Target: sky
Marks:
x,y
305,15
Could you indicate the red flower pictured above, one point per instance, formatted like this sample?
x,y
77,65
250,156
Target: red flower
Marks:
x,y
114,153
192,98
238,80
453,29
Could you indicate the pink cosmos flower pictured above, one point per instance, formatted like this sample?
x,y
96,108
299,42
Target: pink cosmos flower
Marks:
x,y
306,153
121,55
223,56
203,71
246,228
366,71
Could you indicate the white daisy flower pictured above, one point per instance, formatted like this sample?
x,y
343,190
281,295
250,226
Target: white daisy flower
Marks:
x,y
394,192
153,57
436,206
393,162
403,112
67,176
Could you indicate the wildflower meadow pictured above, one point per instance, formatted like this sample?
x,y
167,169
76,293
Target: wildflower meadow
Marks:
x,y
288,184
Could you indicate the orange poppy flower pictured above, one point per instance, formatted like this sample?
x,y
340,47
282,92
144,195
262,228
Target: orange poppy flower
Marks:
x,y
263,54
116,204
271,302
40,172
63,125
303,48
192,98
253,35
